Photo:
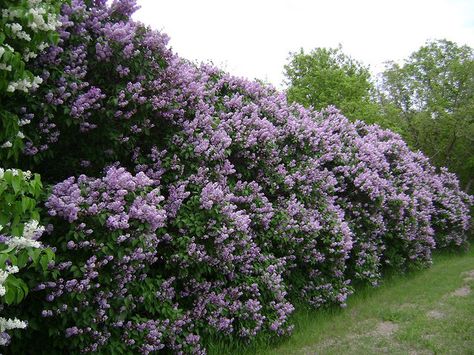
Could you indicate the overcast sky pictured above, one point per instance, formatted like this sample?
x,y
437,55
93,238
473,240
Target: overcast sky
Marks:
x,y
252,38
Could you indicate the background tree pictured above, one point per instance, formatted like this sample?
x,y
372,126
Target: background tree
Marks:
x,y
430,99
327,76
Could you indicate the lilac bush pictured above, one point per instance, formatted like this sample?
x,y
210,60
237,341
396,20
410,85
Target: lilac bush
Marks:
x,y
145,287
190,205
451,215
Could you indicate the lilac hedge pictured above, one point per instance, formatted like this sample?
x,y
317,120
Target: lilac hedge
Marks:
x,y
190,205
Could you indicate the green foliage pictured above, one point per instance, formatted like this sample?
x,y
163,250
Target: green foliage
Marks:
x,y
430,100
19,192
19,250
327,76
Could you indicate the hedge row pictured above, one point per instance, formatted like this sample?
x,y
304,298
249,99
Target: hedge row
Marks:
x,y
185,204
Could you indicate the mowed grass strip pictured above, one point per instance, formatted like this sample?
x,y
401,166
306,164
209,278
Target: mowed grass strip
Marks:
x,y
429,311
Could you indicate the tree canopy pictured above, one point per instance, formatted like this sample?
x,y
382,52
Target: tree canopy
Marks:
x,y
430,97
327,76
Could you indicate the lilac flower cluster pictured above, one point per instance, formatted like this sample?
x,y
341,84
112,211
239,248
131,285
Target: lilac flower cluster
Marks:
x,y
190,204
119,263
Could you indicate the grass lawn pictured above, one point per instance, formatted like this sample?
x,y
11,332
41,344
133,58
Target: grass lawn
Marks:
x,y
425,312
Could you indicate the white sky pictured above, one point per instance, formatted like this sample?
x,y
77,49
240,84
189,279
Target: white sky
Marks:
x,y
253,38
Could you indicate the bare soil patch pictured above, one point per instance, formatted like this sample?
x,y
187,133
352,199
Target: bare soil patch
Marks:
x,y
386,329
468,275
461,292
435,314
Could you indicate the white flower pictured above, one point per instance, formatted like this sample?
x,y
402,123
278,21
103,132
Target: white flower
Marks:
x,y
22,243
29,55
3,276
11,14
25,84
23,35
36,81
32,228
1,176
42,46
7,324
15,27
5,67
7,144
2,50
17,31
23,122
20,135
12,269
38,22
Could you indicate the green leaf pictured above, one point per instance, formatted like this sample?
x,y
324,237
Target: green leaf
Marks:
x,y
49,253
26,203
44,261
4,258
22,259
10,295
16,184
34,254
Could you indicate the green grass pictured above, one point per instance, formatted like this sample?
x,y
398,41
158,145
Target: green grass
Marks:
x,y
416,313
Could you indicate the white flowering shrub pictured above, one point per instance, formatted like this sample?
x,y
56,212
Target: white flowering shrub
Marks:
x,y
27,27
8,324
21,253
